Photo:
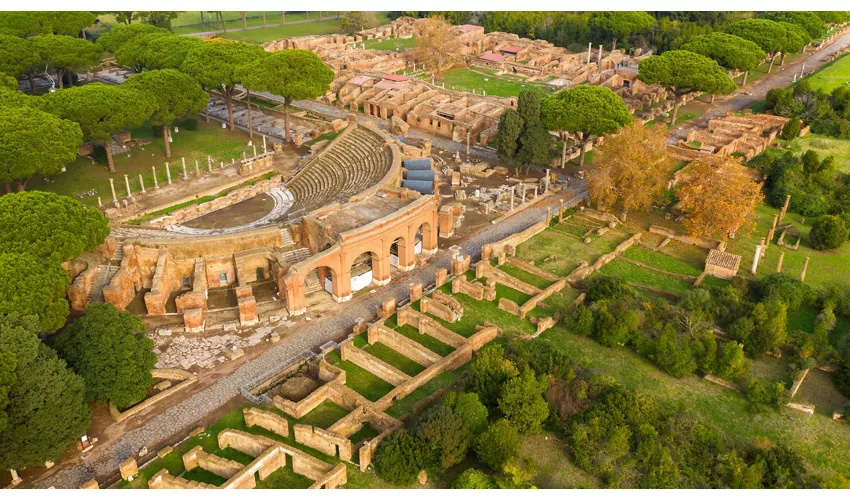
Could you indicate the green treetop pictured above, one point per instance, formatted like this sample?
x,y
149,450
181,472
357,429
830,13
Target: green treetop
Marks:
x,y
620,24
216,66
113,39
66,53
767,34
33,142
809,21
47,412
174,95
683,72
50,226
17,55
101,110
291,74
168,51
132,52
588,111
32,286
730,51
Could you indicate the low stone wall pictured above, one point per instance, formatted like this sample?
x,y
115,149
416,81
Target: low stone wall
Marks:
x,y
509,306
442,306
477,291
303,407
195,211
78,292
545,294
486,270
222,467
544,324
403,345
185,377
701,242
531,268
162,480
267,420
378,367
583,271
323,440
509,244
336,477
430,327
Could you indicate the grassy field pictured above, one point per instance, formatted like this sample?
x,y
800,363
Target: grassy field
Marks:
x,y
834,74
827,146
485,80
642,276
394,359
392,44
567,252
82,175
263,35
661,260
531,279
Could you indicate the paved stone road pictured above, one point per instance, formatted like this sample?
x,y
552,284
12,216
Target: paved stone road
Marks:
x,y
183,415
781,77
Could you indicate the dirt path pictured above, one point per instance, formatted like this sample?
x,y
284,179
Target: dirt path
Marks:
x,y
746,97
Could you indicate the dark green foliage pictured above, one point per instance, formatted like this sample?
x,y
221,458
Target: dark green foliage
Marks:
x,y
473,479
48,225
46,410
730,51
498,444
683,71
541,355
445,435
620,24
490,371
113,39
67,53
32,286
762,394
525,140
190,124
782,287
828,233
601,286
764,329
510,127
400,457
469,408
522,402
133,53
110,350
731,363
672,353
17,55
166,52
173,94
8,362
615,326
791,130
809,21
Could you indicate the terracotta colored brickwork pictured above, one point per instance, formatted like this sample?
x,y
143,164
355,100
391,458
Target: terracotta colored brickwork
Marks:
x,y
380,368
485,270
428,326
267,420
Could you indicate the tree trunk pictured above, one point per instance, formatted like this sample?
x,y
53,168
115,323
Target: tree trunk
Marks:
x,y
70,80
84,34
228,96
563,150
625,214
307,14
32,84
782,60
165,135
744,82
675,109
244,20
614,44
223,23
770,66
582,143
320,15
282,17
108,149
264,19
59,76
207,113
20,186
712,99
202,19
287,134
250,122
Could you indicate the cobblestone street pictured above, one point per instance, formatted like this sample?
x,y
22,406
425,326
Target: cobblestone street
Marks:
x,y
182,416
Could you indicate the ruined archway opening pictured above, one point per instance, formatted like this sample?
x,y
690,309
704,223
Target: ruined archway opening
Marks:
x,y
364,269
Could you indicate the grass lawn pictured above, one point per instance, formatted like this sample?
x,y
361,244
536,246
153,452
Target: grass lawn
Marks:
x,y
819,390
363,381
392,44
824,267
641,276
263,35
827,146
486,80
554,468
438,383
825,444
426,341
394,359
530,278
82,176
478,312
190,21
324,415
660,260
830,76
568,251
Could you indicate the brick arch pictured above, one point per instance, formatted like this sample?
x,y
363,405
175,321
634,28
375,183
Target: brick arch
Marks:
x,y
379,262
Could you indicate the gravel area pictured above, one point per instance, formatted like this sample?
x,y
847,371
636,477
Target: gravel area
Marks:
x,y
181,417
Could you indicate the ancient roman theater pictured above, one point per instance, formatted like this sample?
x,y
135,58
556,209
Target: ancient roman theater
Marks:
x,y
350,214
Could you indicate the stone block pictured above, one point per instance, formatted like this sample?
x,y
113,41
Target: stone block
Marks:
x,y
234,353
387,308
441,276
193,320
197,432
415,291
248,311
91,484
128,468
165,384
274,337
165,451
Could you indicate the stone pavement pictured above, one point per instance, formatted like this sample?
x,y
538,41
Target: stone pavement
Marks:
x,y
183,415
782,76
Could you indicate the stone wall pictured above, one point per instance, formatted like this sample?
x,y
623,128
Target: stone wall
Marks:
x,y
186,379
164,281
477,291
486,270
430,327
222,467
583,271
509,306
531,268
545,294
378,367
509,244
442,306
403,345
326,441
698,241
162,480
267,420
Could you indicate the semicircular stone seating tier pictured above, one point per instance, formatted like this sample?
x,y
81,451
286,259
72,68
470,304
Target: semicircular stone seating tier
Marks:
x,y
351,163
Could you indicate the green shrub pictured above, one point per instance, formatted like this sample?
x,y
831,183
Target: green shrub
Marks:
x,y
672,354
499,443
602,286
522,402
764,394
400,457
490,371
828,233
469,408
473,479
791,130
446,436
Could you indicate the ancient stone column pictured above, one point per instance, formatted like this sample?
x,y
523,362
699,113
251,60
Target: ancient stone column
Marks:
x,y
168,172
589,51
756,258
264,145
779,264
561,212
255,149
16,480
546,184
548,215
99,203
467,143
155,182
197,169
599,63
805,267
784,207
127,185
513,190
142,183
112,187
209,164
535,191
523,194
185,175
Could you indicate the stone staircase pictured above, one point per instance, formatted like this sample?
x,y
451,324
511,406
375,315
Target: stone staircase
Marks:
x,y
103,276
311,284
286,239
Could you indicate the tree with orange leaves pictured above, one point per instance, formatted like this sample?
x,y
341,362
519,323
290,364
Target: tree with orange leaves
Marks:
x,y
436,46
719,197
632,169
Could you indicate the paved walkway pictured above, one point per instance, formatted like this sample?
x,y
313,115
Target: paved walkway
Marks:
x,y
184,414
781,77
